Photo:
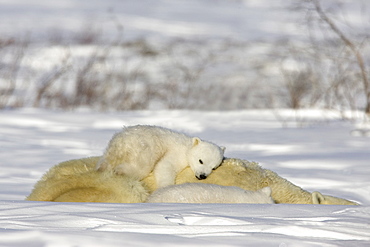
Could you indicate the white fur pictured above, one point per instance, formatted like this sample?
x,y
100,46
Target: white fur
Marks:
x,y
138,150
209,193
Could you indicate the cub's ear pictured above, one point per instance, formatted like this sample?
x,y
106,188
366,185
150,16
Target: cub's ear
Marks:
x,y
223,149
196,141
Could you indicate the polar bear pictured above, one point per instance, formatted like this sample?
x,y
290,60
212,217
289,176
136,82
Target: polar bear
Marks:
x,y
78,181
209,193
138,150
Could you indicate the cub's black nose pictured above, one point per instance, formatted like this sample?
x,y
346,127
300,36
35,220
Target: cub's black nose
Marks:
x,y
201,177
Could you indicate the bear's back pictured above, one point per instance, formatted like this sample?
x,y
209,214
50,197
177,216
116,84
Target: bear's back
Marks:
x,y
153,135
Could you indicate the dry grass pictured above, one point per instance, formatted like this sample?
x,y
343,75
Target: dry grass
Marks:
x,y
327,72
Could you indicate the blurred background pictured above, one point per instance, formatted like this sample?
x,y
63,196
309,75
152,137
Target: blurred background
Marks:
x,y
118,55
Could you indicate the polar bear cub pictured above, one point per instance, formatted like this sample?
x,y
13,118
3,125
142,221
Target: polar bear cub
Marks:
x,y
209,193
138,150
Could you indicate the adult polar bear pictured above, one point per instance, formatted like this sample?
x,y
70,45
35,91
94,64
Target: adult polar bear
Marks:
x,y
138,150
78,181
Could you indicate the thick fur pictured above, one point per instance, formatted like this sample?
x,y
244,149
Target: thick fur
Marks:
x,y
78,181
209,193
138,150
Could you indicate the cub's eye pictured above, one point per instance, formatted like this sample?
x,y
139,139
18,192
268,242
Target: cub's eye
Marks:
x,y
201,162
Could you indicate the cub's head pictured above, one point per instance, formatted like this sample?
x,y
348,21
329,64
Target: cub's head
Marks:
x,y
203,157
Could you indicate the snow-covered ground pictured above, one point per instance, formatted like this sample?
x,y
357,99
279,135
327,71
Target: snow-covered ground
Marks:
x,y
318,152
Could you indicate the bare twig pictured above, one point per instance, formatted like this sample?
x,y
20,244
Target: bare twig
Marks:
x,y
351,46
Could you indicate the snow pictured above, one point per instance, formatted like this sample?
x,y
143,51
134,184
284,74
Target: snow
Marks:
x,y
184,225
316,152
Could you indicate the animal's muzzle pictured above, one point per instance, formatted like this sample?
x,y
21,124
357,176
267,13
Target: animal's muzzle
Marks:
x,y
201,176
